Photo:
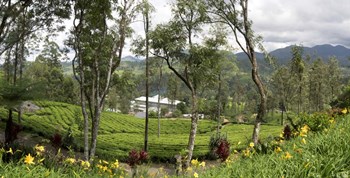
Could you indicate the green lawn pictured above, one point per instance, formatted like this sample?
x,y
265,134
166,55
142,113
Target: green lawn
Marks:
x,y
120,133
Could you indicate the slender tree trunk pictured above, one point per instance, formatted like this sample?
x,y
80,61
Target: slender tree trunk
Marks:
x,y
263,99
158,90
193,131
9,125
146,27
96,124
219,104
158,105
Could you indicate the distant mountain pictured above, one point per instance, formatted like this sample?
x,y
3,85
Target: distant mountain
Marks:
x,y
131,59
283,55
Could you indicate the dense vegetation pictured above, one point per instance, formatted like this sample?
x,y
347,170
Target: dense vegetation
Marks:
x,y
121,133
247,102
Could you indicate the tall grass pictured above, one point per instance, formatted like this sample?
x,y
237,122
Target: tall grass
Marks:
x,y
323,154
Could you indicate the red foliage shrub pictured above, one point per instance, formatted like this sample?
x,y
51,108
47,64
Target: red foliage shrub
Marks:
x,y
56,140
223,150
136,158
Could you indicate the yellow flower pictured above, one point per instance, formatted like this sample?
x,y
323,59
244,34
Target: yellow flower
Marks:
x,y
246,153
194,162
29,159
288,156
115,164
195,175
304,130
104,168
10,151
70,160
344,111
39,148
189,169
202,164
85,164
278,149
251,144
281,135
303,140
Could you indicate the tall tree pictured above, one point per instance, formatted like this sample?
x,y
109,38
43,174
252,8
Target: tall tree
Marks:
x,y
297,70
191,62
98,47
33,15
234,14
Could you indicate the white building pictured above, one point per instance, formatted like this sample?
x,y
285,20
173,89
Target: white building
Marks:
x,y
139,104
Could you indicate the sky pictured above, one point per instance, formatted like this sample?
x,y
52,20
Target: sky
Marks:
x,y
280,22
284,22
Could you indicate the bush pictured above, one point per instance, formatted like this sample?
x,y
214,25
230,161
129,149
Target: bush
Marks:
x,y
56,140
316,122
218,146
223,150
68,140
152,114
177,113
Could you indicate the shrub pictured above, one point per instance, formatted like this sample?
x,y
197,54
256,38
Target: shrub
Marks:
x,y
214,144
316,122
135,158
177,113
152,114
223,150
68,140
56,140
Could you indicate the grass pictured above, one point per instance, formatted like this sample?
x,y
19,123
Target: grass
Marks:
x,y
324,154
120,133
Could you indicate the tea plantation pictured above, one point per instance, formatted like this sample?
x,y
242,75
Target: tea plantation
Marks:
x,y
119,133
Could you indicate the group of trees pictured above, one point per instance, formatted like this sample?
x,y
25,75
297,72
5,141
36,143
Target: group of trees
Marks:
x,y
304,85
180,62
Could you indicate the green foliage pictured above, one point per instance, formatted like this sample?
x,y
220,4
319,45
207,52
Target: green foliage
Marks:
x,y
323,154
116,131
316,122
343,100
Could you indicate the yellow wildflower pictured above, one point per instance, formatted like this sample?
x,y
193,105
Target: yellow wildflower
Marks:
x,y
195,175
202,164
29,159
104,168
194,162
246,153
39,148
278,149
10,151
70,160
305,128
287,156
281,135
303,140
344,111
115,164
251,144
189,169
85,164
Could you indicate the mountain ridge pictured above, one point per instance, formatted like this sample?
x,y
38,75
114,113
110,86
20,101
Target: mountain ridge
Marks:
x,y
324,51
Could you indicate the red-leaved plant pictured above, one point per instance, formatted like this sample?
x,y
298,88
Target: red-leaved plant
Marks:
x,y
136,158
223,150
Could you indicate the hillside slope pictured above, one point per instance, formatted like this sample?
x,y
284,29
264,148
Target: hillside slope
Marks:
x,y
120,133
